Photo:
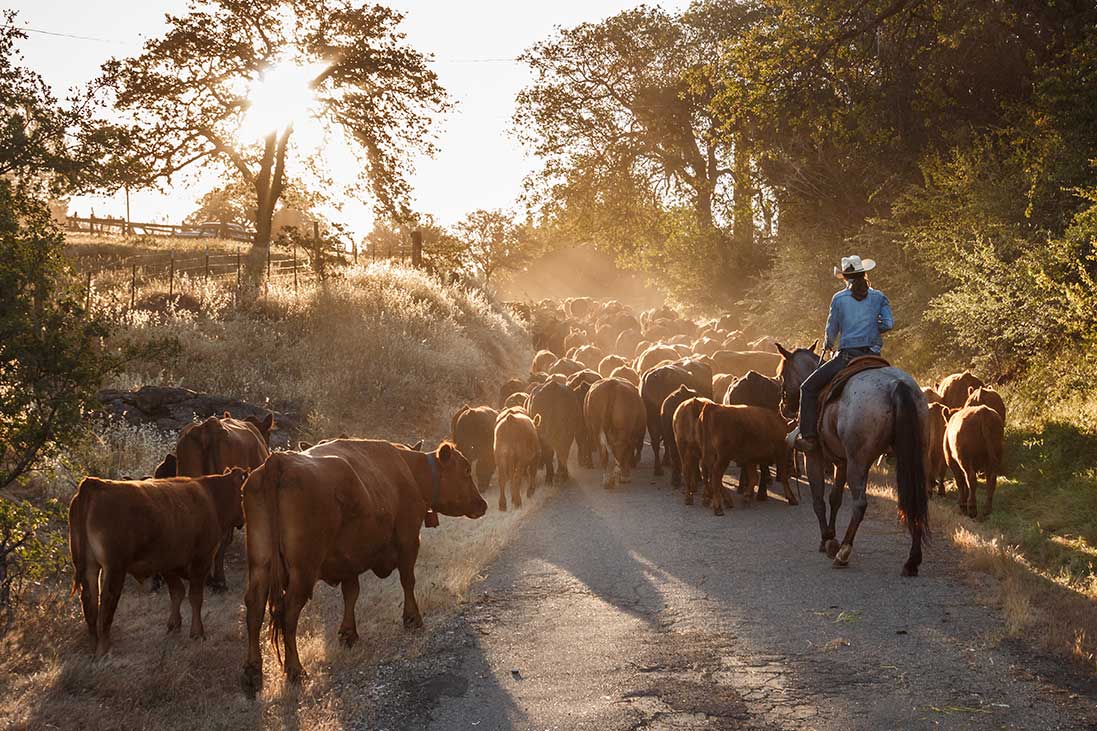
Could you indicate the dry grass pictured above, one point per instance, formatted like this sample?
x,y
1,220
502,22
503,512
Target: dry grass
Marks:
x,y
88,251
383,350
150,680
1048,610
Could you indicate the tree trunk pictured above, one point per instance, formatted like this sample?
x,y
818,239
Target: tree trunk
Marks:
x,y
743,205
268,189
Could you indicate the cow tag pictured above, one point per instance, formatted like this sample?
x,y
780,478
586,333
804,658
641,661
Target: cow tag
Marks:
x,y
431,521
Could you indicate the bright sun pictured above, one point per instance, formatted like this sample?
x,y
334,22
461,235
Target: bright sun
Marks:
x,y
282,95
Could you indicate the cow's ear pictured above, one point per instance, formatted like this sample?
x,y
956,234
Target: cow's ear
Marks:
x,y
227,470
268,422
537,420
781,349
302,446
418,446
227,415
814,345
445,451
970,390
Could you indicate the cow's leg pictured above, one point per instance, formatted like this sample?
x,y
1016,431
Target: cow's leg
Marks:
x,y
412,618
744,481
857,476
348,630
763,482
516,485
622,454
689,473
197,593
89,596
546,458
177,592
216,579
484,468
716,481
992,483
562,463
297,593
255,601
110,591
505,471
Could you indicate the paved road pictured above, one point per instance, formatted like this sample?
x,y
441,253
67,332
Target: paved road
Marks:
x,y
629,610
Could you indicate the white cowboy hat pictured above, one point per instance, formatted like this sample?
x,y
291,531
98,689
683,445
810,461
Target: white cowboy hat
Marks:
x,y
854,265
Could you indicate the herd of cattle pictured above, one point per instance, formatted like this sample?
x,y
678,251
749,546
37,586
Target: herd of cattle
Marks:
x,y
602,379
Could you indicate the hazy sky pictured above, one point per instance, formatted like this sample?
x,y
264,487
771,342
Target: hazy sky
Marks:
x,y
479,164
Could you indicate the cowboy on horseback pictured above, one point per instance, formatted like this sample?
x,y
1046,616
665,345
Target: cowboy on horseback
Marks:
x,y
859,315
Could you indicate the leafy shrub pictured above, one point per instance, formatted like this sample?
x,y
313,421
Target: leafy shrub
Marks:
x,y
32,549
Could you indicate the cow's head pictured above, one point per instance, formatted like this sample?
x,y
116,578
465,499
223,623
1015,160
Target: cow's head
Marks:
x,y
264,426
198,450
457,493
227,488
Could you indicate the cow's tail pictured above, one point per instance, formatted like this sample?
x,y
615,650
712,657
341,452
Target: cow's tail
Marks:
x,y
910,469
78,533
276,594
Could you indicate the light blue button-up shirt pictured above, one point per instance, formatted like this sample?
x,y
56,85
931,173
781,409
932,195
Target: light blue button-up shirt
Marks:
x,y
859,324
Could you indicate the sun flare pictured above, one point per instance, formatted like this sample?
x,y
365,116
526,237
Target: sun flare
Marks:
x,y
280,96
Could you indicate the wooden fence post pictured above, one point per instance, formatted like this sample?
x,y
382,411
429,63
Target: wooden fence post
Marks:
x,y
295,267
355,244
319,250
236,296
171,275
207,264
133,285
417,248
87,296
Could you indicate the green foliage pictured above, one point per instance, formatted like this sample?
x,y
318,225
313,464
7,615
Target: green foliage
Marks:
x,y
32,550
492,242
185,100
50,347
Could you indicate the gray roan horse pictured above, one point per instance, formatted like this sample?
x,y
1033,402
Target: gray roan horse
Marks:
x,y
877,409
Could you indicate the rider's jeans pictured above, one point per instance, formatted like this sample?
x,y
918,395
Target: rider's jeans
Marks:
x,y
814,385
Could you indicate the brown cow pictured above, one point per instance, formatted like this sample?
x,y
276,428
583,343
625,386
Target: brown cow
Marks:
x,y
658,383
516,399
653,356
511,385
628,373
721,382
209,447
666,419
614,409
748,435
627,342
609,364
169,527
987,396
558,409
932,397
340,509
169,467
473,431
566,366
938,421
517,453
580,384
754,389
954,389
706,346
589,355
973,444
542,361
686,428
739,362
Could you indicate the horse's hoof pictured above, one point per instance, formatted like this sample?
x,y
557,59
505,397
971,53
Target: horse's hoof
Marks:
x,y
830,546
251,680
841,560
909,570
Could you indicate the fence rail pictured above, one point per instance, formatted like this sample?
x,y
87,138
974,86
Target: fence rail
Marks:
x,y
96,225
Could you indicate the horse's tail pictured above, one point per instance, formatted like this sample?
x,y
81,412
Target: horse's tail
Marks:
x,y
910,469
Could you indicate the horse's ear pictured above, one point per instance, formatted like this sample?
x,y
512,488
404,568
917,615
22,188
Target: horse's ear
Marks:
x,y
781,349
814,345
